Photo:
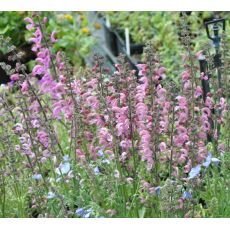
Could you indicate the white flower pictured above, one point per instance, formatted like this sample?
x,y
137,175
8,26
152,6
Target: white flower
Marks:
x,y
51,195
63,168
116,174
194,172
37,176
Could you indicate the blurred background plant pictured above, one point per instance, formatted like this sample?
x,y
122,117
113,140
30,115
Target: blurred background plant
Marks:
x,y
12,25
73,32
161,28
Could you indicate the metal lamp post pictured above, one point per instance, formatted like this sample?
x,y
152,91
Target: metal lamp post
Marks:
x,y
214,35
217,26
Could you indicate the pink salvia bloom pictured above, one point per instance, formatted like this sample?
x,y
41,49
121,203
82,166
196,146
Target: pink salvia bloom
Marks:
x,y
222,103
142,69
52,37
34,107
185,75
126,144
162,146
105,138
161,92
14,77
38,70
206,111
198,92
31,24
37,39
24,87
206,126
43,138
80,154
208,102
93,102
203,76
182,117
141,110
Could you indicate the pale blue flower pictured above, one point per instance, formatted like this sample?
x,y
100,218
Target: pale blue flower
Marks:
x,y
96,171
66,158
187,195
51,195
81,212
194,172
63,168
100,153
158,190
208,160
37,176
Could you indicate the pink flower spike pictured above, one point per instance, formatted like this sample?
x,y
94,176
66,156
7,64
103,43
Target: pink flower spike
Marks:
x,y
37,70
31,24
14,77
198,92
43,138
206,111
162,146
185,75
52,37
45,20
24,87
222,103
182,101
208,102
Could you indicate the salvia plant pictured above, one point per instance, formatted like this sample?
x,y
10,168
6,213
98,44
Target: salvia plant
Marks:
x,y
92,144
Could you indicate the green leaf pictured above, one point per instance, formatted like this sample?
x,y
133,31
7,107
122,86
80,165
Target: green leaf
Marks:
x,y
3,31
141,212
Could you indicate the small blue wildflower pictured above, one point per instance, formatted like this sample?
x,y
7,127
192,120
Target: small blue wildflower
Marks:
x,y
158,190
208,160
211,159
66,158
100,153
84,213
37,176
96,171
187,195
80,211
63,168
194,172
50,195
